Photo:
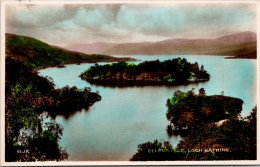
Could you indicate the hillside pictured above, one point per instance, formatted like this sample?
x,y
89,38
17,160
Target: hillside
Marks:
x,y
93,48
241,45
35,53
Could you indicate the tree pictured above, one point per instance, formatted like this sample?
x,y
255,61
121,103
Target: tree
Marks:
x,y
202,92
29,136
202,68
177,92
252,121
196,65
191,92
222,93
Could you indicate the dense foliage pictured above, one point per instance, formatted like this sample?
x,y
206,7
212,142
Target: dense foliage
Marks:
x,y
175,70
188,111
35,53
68,100
235,139
30,133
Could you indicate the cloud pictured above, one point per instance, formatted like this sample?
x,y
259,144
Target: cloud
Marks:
x,y
166,20
58,24
92,19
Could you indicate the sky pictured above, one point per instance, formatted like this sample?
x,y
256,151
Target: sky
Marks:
x,y
125,23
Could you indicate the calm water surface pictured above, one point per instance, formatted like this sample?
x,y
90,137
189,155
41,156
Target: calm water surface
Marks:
x,y
125,117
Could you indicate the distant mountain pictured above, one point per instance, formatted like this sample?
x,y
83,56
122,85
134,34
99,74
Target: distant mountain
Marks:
x,y
91,48
242,37
242,45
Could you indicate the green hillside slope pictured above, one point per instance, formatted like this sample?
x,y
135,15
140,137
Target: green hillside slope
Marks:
x,y
35,53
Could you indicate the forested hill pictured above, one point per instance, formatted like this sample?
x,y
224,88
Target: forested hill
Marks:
x,y
35,53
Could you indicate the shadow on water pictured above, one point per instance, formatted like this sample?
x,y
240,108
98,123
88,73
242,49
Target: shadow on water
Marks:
x,y
127,83
68,113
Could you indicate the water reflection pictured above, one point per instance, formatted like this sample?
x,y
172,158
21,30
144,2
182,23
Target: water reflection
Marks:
x,y
67,114
112,128
124,83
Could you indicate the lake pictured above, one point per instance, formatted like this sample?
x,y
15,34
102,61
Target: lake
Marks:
x,y
112,128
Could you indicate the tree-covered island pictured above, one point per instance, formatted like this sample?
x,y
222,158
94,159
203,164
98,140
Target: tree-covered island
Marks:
x,y
189,111
169,71
216,131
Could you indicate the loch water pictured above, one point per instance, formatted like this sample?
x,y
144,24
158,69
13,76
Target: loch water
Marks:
x,y
112,128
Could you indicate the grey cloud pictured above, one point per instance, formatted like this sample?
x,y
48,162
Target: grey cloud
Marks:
x,y
79,23
165,20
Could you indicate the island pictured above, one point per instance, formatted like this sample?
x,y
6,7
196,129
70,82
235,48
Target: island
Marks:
x,y
216,131
175,71
189,111
31,101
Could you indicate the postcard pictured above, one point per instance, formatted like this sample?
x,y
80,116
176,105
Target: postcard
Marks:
x,y
129,82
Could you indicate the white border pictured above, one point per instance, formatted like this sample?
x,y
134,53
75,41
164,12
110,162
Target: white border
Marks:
x,y
2,84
